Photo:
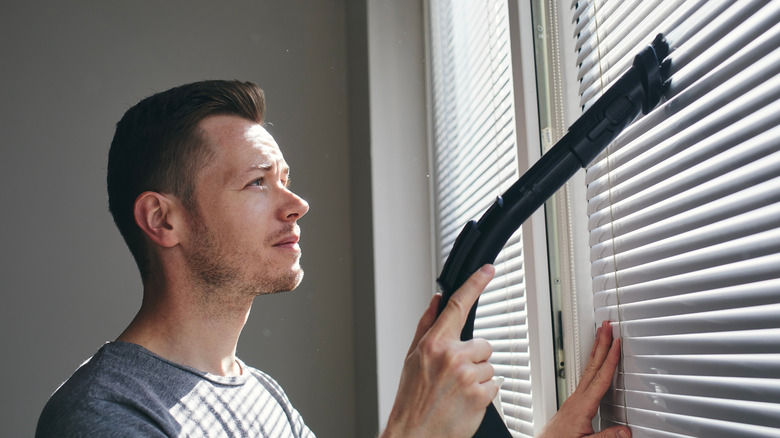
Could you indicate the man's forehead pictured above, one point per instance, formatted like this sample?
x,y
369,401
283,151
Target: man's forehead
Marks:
x,y
231,132
257,132
263,141
241,146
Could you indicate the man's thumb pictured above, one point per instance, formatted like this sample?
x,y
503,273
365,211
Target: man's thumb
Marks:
x,y
426,321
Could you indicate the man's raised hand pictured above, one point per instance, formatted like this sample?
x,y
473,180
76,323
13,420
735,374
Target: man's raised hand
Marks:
x,y
446,383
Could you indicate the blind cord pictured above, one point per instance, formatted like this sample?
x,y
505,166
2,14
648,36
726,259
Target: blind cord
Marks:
x,y
621,369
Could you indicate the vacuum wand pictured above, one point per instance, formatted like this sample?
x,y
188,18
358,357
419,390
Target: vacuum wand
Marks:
x,y
638,89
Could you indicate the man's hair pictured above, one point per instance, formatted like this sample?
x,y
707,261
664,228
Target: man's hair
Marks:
x,y
159,147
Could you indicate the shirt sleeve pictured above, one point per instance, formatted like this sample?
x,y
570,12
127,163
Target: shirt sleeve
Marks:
x,y
94,418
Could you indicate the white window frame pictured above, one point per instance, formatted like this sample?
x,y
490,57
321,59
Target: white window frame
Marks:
x,y
534,229
579,321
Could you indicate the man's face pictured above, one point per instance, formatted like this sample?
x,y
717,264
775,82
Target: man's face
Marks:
x,y
244,235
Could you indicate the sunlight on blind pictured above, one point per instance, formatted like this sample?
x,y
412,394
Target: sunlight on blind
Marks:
x,y
475,160
684,217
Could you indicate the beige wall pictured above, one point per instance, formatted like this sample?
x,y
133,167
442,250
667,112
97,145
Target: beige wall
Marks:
x,y
69,71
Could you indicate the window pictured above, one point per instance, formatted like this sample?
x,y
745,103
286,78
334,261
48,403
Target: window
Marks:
x,y
475,158
684,217
682,244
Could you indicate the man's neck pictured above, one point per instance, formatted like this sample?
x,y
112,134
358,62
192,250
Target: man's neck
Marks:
x,y
193,329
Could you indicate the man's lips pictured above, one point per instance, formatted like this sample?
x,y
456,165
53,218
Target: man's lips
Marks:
x,y
288,242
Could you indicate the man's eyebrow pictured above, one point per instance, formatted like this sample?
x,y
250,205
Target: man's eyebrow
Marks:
x,y
286,172
262,166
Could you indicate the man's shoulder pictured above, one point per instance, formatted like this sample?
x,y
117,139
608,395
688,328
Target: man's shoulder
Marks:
x,y
117,371
82,385
113,390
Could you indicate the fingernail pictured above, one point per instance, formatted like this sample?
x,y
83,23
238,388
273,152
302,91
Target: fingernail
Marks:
x,y
486,269
622,433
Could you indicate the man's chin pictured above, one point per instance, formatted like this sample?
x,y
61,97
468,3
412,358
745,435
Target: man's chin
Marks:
x,y
284,283
296,281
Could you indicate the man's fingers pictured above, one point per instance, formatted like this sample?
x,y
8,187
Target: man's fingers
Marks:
x,y
484,392
613,432
492,389
484,372
426,321
595,343
453,317
479,350
601,348
603,377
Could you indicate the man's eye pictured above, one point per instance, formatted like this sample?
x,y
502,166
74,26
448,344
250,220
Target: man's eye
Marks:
x,y
258,182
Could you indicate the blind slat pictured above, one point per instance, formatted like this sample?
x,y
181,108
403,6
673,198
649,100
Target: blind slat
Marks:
x,y
753,222
665,424
765,243
627,234
638,306
739,339
672,201
762,390
740,273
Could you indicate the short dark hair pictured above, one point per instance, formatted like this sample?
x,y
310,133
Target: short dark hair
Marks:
x,y
158,147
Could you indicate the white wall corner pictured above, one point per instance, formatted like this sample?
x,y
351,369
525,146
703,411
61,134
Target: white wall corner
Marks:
x,y
404,277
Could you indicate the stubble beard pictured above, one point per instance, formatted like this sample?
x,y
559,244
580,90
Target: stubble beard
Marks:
x,y
217,269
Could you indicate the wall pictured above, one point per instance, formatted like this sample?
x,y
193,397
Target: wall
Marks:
x,y
362,220
70,70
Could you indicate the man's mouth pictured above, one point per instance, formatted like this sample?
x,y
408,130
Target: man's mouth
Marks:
x,y
288,242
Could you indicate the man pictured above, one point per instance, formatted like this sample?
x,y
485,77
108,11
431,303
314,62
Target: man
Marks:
x,y
199,191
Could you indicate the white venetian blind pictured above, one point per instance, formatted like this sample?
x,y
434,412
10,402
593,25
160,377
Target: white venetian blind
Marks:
x,y
475,159
684,217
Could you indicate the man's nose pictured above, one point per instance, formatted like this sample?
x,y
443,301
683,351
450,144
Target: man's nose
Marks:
x,y
298,207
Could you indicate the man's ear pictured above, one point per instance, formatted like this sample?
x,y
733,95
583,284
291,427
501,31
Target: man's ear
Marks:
x,y
158,216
